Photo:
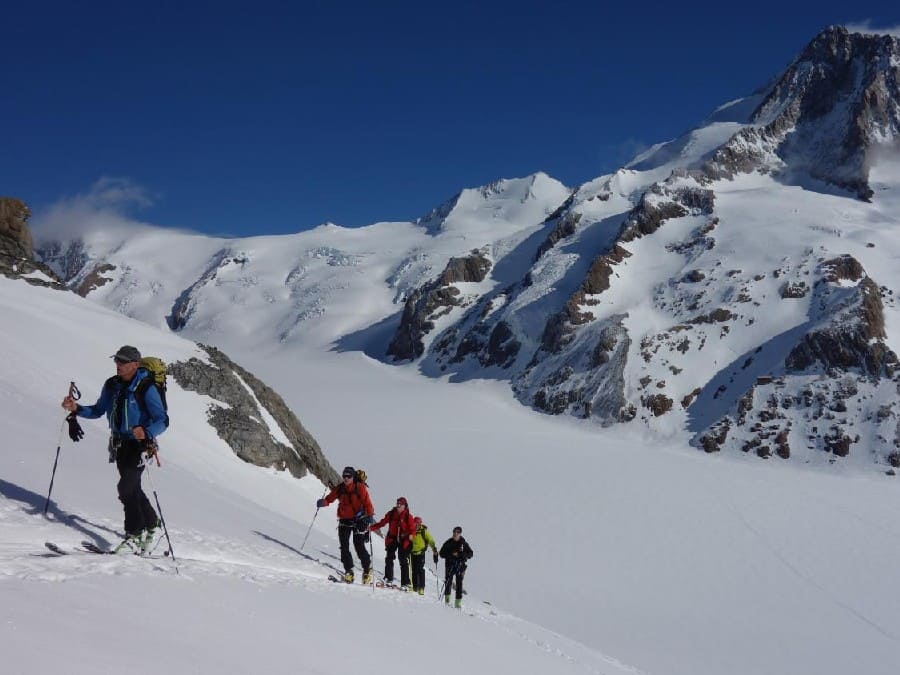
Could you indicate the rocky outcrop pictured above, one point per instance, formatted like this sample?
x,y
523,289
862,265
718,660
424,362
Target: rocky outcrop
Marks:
x,y
659,204
852,337
566,226
16,248
241,421
433,300
586,380
837,101
15,237
832,386
94,279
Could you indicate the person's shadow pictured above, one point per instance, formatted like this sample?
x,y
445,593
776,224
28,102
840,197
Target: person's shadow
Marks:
x,y
33,505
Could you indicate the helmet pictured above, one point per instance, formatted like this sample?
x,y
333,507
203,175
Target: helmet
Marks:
x,y
417,520
349,471
402,500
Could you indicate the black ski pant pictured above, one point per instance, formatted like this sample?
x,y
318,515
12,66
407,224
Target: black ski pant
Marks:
x,y
346,527
454,570
391,550
139,513
418,570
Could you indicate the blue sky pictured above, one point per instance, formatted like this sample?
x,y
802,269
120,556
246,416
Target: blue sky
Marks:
x,y
273,117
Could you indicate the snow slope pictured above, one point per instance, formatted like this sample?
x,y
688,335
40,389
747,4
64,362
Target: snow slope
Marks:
x,y
245,598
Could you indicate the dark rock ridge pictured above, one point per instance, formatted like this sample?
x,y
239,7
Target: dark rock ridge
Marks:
x,y
587,380
837,101
567,223
241,425
433,300
16,248
659,204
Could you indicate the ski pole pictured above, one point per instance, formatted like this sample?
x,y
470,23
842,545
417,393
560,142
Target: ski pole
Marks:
x,y
371,558
162,519
75,394
437,580
312,523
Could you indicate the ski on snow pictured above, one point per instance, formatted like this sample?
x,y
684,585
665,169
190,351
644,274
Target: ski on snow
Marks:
x,y
91,547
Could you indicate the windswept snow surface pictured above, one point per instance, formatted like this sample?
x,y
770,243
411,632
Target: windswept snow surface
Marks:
x,y
245,598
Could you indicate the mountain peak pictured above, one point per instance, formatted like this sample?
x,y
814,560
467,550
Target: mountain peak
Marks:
x,y
836,103
532,197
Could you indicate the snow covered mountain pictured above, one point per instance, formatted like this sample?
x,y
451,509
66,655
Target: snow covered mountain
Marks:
x,y
674,293
720,290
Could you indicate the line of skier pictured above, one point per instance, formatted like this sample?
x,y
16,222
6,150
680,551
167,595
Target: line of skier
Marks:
x,y
407,538
134,402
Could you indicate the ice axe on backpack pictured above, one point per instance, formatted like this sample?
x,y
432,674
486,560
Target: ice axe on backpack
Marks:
x,y
75,433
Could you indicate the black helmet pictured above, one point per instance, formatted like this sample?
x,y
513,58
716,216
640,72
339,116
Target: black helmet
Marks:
x,y
349,471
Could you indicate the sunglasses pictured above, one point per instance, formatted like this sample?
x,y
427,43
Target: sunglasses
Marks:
x,y
121,362
347,475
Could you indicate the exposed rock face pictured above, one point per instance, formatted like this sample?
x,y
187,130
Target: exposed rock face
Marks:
x,y
658,204
16,249
15,237
432,301
242,425
94,279
852,337
586,380
565,227
835,102
834,379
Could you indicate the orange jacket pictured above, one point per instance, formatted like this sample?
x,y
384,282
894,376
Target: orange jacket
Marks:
x,y
401,526
351,501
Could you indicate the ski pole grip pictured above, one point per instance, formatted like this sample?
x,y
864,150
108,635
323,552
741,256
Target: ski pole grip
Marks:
x,y
74,392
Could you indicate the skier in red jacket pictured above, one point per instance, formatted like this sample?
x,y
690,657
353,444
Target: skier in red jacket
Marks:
x,y
355,512
401,528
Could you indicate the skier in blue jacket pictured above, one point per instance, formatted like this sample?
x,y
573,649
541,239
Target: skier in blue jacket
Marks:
x,y
133,428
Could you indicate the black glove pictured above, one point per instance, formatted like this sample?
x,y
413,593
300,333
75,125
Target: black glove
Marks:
x,y
76,433
320,503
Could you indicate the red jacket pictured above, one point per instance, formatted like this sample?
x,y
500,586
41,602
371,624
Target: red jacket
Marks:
x,y
401,526
351,501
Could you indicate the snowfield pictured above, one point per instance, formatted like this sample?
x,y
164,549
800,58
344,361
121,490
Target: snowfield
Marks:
x,y
650,558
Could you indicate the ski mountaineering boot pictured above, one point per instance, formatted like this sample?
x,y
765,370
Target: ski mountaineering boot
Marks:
x,y
348,577
148,539
458,603
367,577
130,544
446,599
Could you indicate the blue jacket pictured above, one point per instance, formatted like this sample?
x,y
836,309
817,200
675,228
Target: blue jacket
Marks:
x,y
153,421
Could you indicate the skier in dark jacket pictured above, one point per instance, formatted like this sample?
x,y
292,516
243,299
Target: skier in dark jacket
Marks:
x,y
456,553
401,529
133,428
355,512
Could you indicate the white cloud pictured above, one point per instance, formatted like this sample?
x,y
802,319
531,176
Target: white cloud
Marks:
x,y
105,206
867,27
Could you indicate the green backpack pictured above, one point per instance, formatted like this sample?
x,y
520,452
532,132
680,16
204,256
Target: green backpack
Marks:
x,y
157,369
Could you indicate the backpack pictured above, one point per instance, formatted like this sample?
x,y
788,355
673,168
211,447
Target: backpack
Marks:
x,y
157,369
361,477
